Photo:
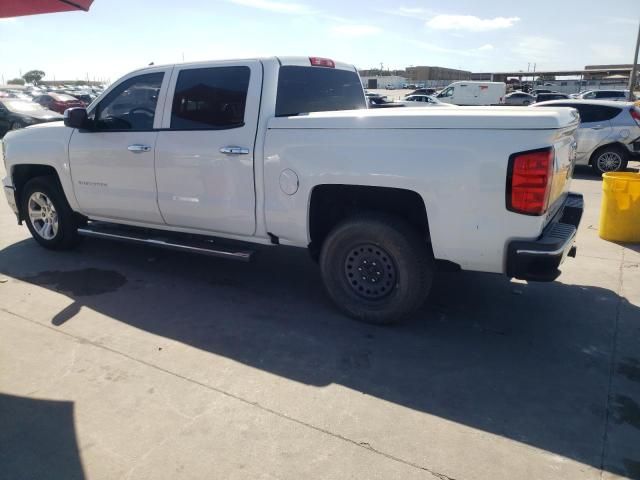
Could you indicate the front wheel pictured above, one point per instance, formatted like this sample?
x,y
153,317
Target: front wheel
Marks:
x,y
376,268
609,159
48,214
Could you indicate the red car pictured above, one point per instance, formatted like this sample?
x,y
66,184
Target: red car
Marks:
x,y
58,102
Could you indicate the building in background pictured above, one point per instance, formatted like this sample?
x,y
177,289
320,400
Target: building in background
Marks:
x,y
420,76
383,81
423,74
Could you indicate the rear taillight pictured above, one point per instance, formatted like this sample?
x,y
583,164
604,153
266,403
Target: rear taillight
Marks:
x,y
635,114
322,62
529,178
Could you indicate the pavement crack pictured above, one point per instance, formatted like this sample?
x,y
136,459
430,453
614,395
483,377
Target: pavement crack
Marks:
x,y
612,366
362,445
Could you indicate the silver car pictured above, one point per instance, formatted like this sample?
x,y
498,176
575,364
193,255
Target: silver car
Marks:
x,y
608,135
519,98
617,95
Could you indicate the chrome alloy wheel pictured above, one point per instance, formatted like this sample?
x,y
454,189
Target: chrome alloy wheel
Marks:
x,y
43,216
609,162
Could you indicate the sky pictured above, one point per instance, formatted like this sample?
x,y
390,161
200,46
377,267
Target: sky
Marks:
x,y
117,36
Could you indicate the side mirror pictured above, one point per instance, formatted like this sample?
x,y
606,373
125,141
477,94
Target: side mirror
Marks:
x,y
76,118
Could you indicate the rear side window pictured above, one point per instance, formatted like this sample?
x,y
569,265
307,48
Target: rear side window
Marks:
x,y
609,94
317,89
590,113
210,98
596,113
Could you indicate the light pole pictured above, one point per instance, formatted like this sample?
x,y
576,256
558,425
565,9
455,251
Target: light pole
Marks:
x,y
634,69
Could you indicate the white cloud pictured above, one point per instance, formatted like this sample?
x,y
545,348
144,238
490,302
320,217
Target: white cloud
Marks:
x,y
274,6
485,48
418,13
622,20
470,23
539,49
350,30
606,53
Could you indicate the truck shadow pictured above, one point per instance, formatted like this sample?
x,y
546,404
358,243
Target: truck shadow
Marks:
x,y
38,439
529,362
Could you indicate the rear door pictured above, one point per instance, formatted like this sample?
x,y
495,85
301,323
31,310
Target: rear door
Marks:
x,y
595,128
205,150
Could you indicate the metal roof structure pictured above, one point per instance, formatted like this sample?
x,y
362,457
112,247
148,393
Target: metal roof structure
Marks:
x,y
18,8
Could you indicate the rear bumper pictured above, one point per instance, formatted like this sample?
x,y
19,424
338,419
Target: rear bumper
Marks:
x,y
538,260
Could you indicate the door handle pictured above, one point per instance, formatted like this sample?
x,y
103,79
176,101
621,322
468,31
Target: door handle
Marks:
x,y
598,127
235,150
137,148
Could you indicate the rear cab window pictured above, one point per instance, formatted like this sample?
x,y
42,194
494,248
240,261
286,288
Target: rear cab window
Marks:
x,y
317,89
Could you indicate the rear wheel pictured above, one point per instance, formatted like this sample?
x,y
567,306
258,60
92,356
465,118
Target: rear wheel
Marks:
x,y
611,158
376,268
48,215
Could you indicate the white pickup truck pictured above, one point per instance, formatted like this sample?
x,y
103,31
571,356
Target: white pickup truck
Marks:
x,y
214,157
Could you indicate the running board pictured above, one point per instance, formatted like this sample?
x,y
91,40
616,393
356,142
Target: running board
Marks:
x,y
168,240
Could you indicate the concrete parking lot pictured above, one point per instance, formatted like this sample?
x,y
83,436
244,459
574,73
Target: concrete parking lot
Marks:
x,y
118,361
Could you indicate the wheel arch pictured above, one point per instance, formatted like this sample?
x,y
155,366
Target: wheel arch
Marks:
x,y
22,173
615,144
329,204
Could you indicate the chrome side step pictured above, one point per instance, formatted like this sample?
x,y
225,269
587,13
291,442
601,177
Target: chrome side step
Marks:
x,y
168,240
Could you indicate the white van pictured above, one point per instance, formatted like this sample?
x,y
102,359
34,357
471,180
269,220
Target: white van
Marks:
x,y
474,93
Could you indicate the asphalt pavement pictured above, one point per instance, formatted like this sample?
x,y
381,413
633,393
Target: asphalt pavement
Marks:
x,y
121,361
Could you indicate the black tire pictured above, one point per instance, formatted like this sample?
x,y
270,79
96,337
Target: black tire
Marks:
x,y
615,151
66,235
402,285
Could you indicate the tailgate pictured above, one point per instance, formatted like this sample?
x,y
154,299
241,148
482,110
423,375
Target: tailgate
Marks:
x,y
564,146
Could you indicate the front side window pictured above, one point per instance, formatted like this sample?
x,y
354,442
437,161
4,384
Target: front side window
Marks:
x,y
447,93
131,105
210,98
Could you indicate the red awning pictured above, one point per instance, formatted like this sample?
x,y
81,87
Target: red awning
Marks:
x,y
17,8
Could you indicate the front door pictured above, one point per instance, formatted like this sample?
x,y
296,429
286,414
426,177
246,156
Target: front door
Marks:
x,y
112,164
205,151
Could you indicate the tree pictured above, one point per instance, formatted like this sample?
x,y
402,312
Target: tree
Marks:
x,y
33,76
15,81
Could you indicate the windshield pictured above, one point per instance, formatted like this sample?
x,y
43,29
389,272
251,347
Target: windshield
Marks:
x,y
22,106
317,89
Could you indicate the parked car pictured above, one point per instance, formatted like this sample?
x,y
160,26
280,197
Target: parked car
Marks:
x,y
519,98
378,197
422,91
376,100
422,101
617,95
544,97
577,95
58,102
609,132
474,93
86,98
536,91
16,113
